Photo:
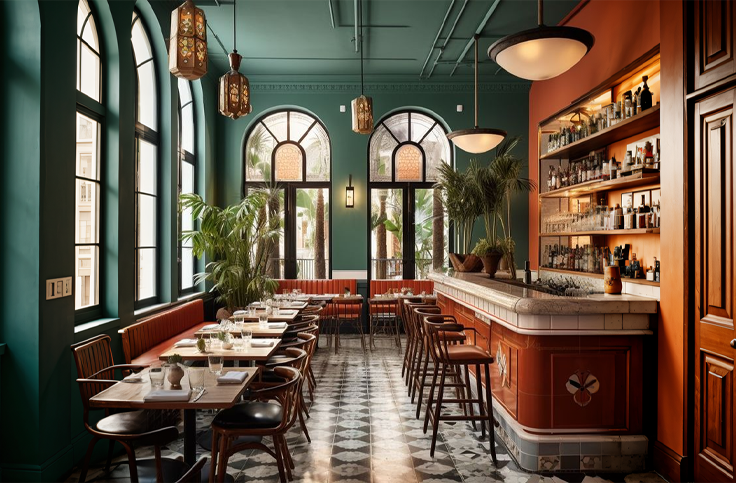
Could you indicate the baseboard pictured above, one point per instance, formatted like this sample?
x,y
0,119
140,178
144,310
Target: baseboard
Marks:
x,y
668,463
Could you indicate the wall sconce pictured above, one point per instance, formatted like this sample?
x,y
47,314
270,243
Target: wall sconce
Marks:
x,y
350,193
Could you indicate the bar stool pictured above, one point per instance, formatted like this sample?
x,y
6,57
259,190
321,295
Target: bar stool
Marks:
x,y
348,310
408,329
384,319
416,340
437,329
421,358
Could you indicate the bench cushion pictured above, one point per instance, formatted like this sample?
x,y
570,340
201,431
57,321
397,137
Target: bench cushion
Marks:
x,y
321,287
417,286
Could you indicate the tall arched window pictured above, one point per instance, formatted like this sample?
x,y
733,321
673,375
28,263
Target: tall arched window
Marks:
x,y
146,186
409,230
290,151
89,119
187,182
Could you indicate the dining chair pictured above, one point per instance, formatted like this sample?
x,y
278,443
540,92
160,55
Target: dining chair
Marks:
x,y
95,373
194,474
384,319
348,311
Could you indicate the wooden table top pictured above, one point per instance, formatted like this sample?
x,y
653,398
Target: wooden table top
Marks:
x,y
251,354
290,303
275,332
216,396
285,315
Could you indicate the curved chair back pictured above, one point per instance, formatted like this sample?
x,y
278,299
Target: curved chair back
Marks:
x,y
418,314
436,326
93,358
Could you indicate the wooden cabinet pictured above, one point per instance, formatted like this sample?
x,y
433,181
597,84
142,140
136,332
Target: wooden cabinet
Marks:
x,y
713,27
714,287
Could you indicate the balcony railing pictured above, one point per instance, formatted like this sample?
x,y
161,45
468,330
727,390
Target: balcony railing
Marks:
x,y
305,267
393,268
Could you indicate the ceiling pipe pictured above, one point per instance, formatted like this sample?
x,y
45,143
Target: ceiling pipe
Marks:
x,y
358,40
447,39
437,37
332,14
478,31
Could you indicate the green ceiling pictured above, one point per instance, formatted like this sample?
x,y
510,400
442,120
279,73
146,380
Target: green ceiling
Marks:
x,y
295,40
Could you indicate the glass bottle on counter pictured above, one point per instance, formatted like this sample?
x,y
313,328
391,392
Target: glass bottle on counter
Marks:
x,y
646,95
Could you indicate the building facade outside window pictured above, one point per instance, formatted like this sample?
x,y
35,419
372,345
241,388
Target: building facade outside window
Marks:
x,y
187,182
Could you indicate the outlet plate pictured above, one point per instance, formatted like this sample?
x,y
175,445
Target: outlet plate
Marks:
x,y
58,287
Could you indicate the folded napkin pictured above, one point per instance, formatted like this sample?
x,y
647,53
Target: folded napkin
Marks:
x,y
168,395
239,312
133,378
276,325
210,327
261,343
186,343
232,377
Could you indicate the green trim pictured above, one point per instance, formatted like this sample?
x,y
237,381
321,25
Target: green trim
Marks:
x,y
309,87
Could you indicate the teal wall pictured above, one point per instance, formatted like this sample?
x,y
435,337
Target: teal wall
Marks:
x,y
502,106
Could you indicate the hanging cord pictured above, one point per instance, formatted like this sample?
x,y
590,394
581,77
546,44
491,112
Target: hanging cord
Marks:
x,y
360,5
476,80
235,31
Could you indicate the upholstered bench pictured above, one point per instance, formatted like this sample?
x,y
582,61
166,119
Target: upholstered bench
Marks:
x,y
145,340
320,287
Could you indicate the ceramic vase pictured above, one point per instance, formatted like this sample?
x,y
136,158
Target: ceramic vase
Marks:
x,y
174,374
612,280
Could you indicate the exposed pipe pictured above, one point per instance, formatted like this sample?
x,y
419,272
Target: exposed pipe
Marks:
x,y
447,39
478,31
357,39
436,38
332,15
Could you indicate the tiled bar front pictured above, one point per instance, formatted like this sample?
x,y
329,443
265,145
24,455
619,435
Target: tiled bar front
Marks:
x,y
568,379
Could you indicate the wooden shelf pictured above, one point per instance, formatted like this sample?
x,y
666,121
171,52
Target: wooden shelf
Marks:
x,y
637,281
590,187
637,231
632,126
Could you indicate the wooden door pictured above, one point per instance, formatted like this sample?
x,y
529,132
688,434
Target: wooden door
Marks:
x,y
715,338
714,41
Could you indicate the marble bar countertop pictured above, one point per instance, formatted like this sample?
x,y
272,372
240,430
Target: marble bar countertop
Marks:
x,y
527,301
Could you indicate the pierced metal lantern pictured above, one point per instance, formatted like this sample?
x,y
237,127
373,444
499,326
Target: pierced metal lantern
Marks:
x,y
362,108
234,91
188,42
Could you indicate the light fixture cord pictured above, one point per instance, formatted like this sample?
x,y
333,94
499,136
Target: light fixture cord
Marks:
x,y
235,31
360,17
475,37
540,13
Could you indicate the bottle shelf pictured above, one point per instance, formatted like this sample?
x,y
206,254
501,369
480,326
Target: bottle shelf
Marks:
x,y
590,187
636,231
632,126
638,281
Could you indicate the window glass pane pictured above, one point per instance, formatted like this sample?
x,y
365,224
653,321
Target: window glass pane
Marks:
x,y
82,11
317,146
146,167
89,34
146,206
312,233
141,47
146,273
409,163
399,125
382,145
298,124
187,129
287,160
87,212
275,268
258,154
420,124
386,233
87,147
276,123
436,150
86,277
431,232
90,73
187,186
185,91
147,95
187,268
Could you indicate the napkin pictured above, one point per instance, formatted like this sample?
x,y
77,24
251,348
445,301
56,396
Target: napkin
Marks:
x,y
239,312
186,343
276,325
210,327
261,343
133,378
232,377
168,395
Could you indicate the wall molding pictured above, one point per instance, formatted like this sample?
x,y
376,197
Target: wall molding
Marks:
x,y
668,463
321,87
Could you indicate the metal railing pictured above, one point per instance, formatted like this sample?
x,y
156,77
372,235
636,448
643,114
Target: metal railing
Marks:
x,y
305,267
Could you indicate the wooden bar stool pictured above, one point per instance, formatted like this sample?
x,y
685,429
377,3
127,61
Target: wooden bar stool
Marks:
x,y
446,355
384,319
348,311
409,329
417,342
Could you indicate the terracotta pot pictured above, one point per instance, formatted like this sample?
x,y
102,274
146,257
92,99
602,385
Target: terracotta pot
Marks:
x,y
612,280
503,265
465,263
174,374
490,263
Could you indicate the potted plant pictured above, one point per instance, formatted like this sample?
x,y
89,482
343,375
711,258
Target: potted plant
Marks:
x,y
175,371
487,190
238,242
489,253
227,341
201,345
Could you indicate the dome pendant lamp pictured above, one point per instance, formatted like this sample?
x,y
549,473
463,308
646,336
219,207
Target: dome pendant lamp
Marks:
x,y
542,52
477,140
234,89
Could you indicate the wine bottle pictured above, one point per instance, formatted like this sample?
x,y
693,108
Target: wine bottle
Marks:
x,y
646,95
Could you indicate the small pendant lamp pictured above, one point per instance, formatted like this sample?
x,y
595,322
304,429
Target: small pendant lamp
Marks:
x,y
188,42
477,140
542,52
234,89
362,106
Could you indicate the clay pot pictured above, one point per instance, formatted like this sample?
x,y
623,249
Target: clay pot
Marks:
x,y
490,263
227,346
612,280
174,374
465,263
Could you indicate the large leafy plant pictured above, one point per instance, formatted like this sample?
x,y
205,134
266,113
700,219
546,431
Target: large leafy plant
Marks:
x,y
237,241
461,201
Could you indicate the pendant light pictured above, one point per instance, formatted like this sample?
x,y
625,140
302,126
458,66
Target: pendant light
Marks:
x,y
542,52
477,140
188,42
234,90
362,107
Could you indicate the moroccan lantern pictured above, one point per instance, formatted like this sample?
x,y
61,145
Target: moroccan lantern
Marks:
x,y
234,90
188,42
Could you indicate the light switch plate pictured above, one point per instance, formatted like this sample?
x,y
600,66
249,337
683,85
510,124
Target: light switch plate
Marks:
x,y
58,287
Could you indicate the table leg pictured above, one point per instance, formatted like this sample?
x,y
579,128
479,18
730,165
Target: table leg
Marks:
x,y
190,436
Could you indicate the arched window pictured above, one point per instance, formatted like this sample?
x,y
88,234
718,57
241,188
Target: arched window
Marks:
x,y
187,182
146,187
290,151
409,230
89,122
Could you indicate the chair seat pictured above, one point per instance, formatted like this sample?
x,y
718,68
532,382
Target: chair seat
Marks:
x,y
133,422
469,353
249,415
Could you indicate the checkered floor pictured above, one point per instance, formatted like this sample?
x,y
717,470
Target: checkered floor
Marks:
x,y
363,429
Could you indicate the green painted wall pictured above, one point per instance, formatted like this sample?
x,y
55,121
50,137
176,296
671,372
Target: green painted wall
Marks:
x,y
501,105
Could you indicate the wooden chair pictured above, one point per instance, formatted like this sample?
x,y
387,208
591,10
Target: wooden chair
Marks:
x,y
402,311
348,311
384,319
194,474
96,372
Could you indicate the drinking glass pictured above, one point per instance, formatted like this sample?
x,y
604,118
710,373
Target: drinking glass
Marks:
x,y
157,377
246,335
196,378
263,319
215,363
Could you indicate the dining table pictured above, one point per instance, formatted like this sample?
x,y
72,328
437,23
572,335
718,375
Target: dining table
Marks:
x,y
255,353
272,330
284,315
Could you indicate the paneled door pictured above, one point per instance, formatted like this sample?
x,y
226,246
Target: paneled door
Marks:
x,y
715,41
715,339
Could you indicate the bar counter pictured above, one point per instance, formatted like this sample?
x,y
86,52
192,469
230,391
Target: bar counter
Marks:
x,y
569,384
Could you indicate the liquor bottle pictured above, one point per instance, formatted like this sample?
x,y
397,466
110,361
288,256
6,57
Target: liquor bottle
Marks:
x,y
656,270
550,177
646,95
641,220
558,176
656,156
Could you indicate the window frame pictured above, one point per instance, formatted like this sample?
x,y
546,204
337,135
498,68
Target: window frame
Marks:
x,y
408,198
290,188
186,157
97,52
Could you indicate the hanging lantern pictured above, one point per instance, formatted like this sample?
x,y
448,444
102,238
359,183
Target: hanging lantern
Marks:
x,y
362,108
188,42
234,90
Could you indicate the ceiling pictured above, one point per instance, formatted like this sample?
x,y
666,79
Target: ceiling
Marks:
x,y
313,40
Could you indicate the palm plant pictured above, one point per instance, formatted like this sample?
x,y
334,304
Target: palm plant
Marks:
x,y
238,240
461,202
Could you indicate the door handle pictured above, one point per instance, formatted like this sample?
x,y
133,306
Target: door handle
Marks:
x,y
733,344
